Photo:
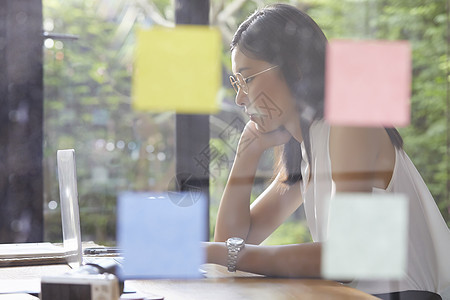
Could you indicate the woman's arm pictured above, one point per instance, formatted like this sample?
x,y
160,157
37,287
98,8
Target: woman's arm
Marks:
x,y
297,260
361,158
235,218
271,209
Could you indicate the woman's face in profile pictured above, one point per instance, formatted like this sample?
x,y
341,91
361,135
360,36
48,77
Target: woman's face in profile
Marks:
x,y
268,102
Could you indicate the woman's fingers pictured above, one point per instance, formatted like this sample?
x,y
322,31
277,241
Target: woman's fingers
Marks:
x,y
258,140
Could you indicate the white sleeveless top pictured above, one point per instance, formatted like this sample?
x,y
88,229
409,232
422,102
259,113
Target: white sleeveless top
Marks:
x,y
429,237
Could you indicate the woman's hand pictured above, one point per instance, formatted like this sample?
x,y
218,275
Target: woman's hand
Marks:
x,y
215,252
253,140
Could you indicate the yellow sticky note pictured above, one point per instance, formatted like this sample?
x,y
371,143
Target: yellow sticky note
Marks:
x,y
177,69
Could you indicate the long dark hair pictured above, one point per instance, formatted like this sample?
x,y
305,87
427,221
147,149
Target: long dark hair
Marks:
x,y
285,36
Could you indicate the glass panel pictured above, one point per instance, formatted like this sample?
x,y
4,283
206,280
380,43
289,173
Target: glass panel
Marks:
x,y
87,107
88,88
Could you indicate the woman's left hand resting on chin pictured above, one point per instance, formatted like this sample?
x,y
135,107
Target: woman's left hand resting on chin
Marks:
x,y
299,260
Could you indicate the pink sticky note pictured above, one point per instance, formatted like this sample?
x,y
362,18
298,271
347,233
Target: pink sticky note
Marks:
x,y
368,83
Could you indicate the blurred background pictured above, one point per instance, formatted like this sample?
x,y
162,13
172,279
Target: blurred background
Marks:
x,y
87,97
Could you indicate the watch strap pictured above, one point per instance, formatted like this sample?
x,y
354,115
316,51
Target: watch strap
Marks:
x,y
234,246
232,259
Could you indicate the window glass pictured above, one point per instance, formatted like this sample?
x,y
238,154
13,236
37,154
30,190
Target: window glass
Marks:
x,y
88,71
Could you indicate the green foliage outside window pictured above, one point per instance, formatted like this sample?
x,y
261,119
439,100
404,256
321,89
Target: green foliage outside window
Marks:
x,y
88,96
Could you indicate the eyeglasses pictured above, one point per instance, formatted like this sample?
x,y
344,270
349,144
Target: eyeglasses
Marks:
x,y
239,82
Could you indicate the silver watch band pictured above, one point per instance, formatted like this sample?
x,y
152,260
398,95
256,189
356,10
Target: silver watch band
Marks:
x,y
234,246
232,259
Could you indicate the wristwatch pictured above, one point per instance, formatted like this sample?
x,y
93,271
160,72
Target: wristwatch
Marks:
x,y
234,245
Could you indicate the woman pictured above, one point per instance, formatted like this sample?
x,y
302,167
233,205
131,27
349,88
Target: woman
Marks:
x,y
278,57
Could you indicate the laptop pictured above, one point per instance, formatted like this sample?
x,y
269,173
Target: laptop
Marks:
x,y
70,212
46,253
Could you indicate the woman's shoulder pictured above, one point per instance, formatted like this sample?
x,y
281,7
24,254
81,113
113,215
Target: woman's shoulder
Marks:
x,y
352,132
362,152
353,138
348,132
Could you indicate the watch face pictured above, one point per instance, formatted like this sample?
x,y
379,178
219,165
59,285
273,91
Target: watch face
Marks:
x,y
235,241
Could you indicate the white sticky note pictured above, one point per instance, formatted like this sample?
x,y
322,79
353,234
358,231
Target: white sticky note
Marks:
x,y
159,238
367,237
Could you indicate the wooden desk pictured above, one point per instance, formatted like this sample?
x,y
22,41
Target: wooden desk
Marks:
x,y
249,288
218,285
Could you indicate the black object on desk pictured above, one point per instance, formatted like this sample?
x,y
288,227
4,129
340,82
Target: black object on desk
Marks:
x,y
95,280
101,250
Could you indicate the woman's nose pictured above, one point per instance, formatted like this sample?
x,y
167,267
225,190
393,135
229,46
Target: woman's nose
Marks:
x,y
241,98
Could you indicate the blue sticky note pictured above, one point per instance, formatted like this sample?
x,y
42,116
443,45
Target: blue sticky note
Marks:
x,y
158,237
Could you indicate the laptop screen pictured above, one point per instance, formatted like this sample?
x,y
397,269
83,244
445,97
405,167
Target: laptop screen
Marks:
x,y
70,215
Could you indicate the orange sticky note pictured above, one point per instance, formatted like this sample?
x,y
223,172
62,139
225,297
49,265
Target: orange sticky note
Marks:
x,y
368,83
